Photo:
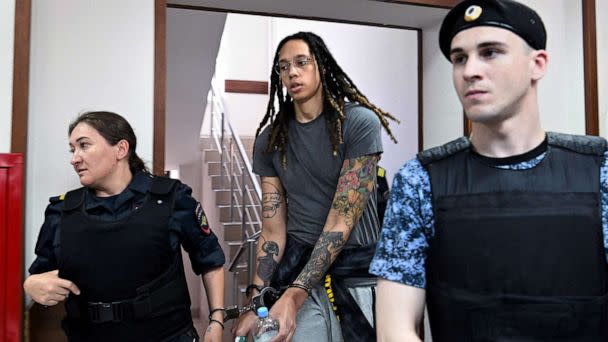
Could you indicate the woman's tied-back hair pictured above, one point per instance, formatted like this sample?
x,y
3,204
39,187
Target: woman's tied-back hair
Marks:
x,y
337,87
113,128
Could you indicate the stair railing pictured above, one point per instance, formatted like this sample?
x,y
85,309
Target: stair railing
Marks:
x,y
245,190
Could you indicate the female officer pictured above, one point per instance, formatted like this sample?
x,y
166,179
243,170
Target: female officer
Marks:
x,y
111,249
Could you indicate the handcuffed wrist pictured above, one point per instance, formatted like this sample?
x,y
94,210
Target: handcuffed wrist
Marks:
x,y
212,311
300,286
252,287
216,321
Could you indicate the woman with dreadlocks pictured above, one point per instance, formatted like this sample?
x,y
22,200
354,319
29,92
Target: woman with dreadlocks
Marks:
x,y
317,161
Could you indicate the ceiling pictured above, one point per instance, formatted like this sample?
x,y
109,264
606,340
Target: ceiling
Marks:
x,y
360,11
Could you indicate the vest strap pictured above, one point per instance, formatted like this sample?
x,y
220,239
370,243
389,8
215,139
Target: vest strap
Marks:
x,y
162,185
578,143
441,152
74,198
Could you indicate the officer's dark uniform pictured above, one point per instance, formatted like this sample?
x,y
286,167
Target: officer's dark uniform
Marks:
x,y
517,255
124,254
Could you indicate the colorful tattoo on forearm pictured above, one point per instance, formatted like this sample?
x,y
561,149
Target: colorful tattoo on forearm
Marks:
x,y
354,186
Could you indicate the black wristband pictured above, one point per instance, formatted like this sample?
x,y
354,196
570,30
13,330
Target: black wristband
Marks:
x,y
216,321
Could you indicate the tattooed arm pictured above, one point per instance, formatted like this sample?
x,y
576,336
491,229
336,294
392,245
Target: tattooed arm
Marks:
x,y
270,245
272,241
355,184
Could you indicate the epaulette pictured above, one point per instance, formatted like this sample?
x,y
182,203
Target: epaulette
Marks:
x,y
57,199
584,144
441,152
381,171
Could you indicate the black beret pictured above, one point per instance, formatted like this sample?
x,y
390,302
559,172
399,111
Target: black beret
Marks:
x,y
506,14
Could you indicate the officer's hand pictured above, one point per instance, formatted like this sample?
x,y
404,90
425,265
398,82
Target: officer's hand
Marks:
x,y
48,289
245,324
285,311
213,333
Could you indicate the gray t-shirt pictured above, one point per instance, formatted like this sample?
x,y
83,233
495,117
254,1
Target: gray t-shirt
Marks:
x,y
312,172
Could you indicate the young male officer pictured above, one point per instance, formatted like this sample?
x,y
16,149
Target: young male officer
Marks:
x,y
503,234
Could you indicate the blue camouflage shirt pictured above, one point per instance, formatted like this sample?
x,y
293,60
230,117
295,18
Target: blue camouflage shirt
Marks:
x,y
409,223
188,224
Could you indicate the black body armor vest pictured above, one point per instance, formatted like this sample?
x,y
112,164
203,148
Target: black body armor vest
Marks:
x,y
517,255
132,284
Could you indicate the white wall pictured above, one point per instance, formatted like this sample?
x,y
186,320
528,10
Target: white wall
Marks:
x,y
193,39
7,33
244,55
442,109
561,92
85,55
381,61
601,12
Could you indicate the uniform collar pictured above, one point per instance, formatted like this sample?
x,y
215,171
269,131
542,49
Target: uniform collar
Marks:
x,y
141,182
138,185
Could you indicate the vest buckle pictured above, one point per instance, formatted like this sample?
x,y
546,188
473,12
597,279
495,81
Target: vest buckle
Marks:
x,y
100,312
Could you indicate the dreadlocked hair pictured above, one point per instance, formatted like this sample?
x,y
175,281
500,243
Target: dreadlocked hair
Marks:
x,y
337,87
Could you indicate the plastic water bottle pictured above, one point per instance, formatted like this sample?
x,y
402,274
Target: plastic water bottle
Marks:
x,y
267,327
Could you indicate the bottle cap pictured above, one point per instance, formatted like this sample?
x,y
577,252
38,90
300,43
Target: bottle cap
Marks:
x,y
263,312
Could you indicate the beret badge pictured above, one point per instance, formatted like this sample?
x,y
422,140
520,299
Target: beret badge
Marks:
x,y
472,13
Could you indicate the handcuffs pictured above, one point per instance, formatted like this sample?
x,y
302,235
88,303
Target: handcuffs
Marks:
x,y
267,296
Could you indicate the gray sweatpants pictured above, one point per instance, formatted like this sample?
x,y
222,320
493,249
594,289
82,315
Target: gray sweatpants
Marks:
x,y
316,321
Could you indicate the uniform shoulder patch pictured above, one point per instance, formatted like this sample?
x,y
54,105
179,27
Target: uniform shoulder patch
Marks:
x,y
381,171
57,199
201,219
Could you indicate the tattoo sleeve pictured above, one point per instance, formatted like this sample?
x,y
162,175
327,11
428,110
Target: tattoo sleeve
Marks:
x,y
267,264
327,247
355,184
271,201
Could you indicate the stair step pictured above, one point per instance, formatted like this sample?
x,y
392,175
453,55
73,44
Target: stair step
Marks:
x,y
237,225
206,143
213,168
238,206
236,234
233,247
222,197
220,182
232,232
211,155
223,182
238,222
227,214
